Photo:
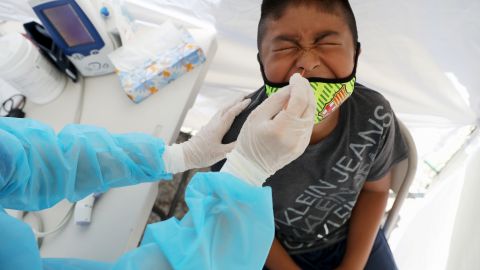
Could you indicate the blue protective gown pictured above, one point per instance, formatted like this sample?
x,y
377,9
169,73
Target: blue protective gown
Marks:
x,y
229,224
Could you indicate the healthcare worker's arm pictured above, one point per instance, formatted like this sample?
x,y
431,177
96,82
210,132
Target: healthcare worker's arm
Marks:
x,y
39,168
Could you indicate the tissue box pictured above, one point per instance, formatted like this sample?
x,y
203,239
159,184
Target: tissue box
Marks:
x,y
148,76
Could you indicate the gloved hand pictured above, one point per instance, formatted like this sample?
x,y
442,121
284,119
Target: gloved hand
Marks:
x,y
275,133
205,148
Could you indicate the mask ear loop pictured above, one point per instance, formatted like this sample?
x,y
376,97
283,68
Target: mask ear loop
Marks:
x,y
261,68
357,54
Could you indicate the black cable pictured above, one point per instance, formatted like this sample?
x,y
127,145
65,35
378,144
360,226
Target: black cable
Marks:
x,y
14,105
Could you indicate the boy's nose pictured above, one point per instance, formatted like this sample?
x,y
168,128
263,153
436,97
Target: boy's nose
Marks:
x,y
308,61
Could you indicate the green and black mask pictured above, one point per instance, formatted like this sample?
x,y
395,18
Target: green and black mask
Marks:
x,y
329,93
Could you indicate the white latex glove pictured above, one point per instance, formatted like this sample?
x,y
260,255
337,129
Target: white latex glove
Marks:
x,y
274,134
205,148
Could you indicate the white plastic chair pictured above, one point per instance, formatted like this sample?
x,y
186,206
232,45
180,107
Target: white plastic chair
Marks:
x,y
402,177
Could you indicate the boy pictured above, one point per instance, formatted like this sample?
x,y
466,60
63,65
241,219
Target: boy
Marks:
x,y
328,204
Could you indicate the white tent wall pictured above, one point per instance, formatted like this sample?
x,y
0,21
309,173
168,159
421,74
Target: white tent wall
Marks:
x,y
422,55
464,256
419,53
429,235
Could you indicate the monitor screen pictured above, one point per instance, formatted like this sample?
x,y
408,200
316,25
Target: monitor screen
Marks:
x,y
68,24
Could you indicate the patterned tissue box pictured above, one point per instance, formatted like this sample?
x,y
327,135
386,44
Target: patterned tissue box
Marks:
x,y
141,81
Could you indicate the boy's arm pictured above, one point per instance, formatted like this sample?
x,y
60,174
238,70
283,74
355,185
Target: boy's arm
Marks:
x,y
365,222
278,258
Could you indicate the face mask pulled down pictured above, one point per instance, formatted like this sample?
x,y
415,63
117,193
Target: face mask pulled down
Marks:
x,y
329,93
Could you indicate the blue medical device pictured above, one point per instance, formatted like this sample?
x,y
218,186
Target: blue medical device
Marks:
x,y
79,29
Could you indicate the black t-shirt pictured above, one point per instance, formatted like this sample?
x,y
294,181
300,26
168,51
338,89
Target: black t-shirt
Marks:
x,y
313,196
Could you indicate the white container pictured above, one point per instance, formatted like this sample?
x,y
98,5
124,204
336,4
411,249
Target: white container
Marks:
x,y
24,68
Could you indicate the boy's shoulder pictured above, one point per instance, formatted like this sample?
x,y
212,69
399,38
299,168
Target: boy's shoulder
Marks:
x,y
363,93
365,96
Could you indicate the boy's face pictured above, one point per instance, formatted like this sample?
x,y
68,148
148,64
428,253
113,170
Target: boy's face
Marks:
x,y
305,38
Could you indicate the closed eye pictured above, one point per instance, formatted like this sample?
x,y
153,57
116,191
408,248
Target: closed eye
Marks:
x,y
328,44
286,49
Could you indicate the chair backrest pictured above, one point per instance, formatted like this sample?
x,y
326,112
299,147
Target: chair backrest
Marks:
x,y
402,177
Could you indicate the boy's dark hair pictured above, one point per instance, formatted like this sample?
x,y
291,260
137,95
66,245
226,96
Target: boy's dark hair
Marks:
x,y
274,9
